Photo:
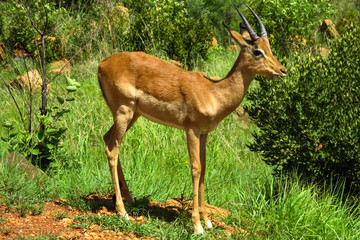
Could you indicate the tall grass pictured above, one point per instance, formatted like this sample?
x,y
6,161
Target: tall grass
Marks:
x,y
156,164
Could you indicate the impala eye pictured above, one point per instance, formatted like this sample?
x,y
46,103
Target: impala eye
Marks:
x,y
258,53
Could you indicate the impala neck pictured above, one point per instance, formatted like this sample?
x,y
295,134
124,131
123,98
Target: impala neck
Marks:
x,y
235,85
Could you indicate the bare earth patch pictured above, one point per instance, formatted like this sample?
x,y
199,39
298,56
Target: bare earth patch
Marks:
x,y
56,220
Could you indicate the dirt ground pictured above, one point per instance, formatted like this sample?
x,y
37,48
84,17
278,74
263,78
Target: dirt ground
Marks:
x,y
57,217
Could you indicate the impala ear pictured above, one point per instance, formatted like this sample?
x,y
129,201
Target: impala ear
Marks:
x,y
237,37
245,33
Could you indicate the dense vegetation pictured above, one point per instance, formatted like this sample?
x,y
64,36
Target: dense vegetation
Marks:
x,y
311,122
305,127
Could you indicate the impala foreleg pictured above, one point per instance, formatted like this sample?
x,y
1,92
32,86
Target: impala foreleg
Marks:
x,y
193,143
202,208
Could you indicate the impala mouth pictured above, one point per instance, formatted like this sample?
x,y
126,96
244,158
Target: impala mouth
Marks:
x,y
283,73
279,76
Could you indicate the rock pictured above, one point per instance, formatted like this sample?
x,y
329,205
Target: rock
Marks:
x,y
55,67
343,25
118,15
20,161
324,52
297,42
177,63
20,53
30,80
213,43
329,29
180,203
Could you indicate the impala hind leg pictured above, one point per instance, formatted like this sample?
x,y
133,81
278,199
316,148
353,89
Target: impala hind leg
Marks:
x,y
113,140
123,185
122,182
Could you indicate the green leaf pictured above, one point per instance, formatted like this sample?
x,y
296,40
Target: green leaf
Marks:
x,y
71,88
63,129
61,100
51,131
45,119
28,138
62,112
13,135
49,146
34,151
14,141
72,82
7,125
40,135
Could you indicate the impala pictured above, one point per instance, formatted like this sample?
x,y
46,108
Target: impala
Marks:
x,y
135,84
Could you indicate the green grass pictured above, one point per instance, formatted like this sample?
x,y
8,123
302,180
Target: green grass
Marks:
x,y
156,164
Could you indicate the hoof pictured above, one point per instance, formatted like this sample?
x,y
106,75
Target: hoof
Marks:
x,y
208,224
126,216
199,230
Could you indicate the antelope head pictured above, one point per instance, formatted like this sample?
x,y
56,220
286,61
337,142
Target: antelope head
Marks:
x,y
256,51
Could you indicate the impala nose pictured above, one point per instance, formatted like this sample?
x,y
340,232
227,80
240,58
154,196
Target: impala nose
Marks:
x,y
283,70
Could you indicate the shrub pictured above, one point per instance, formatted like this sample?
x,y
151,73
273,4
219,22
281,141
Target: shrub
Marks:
x,y
16,29
40,144
164,26
310,119
216,12
288,21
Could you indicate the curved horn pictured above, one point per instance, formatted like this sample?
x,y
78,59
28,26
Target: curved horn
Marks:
x,y
263,32
251,31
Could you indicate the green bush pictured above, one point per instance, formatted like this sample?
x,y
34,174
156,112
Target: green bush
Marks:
x,y
216,12
16,29
284,20
163,26
310,119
